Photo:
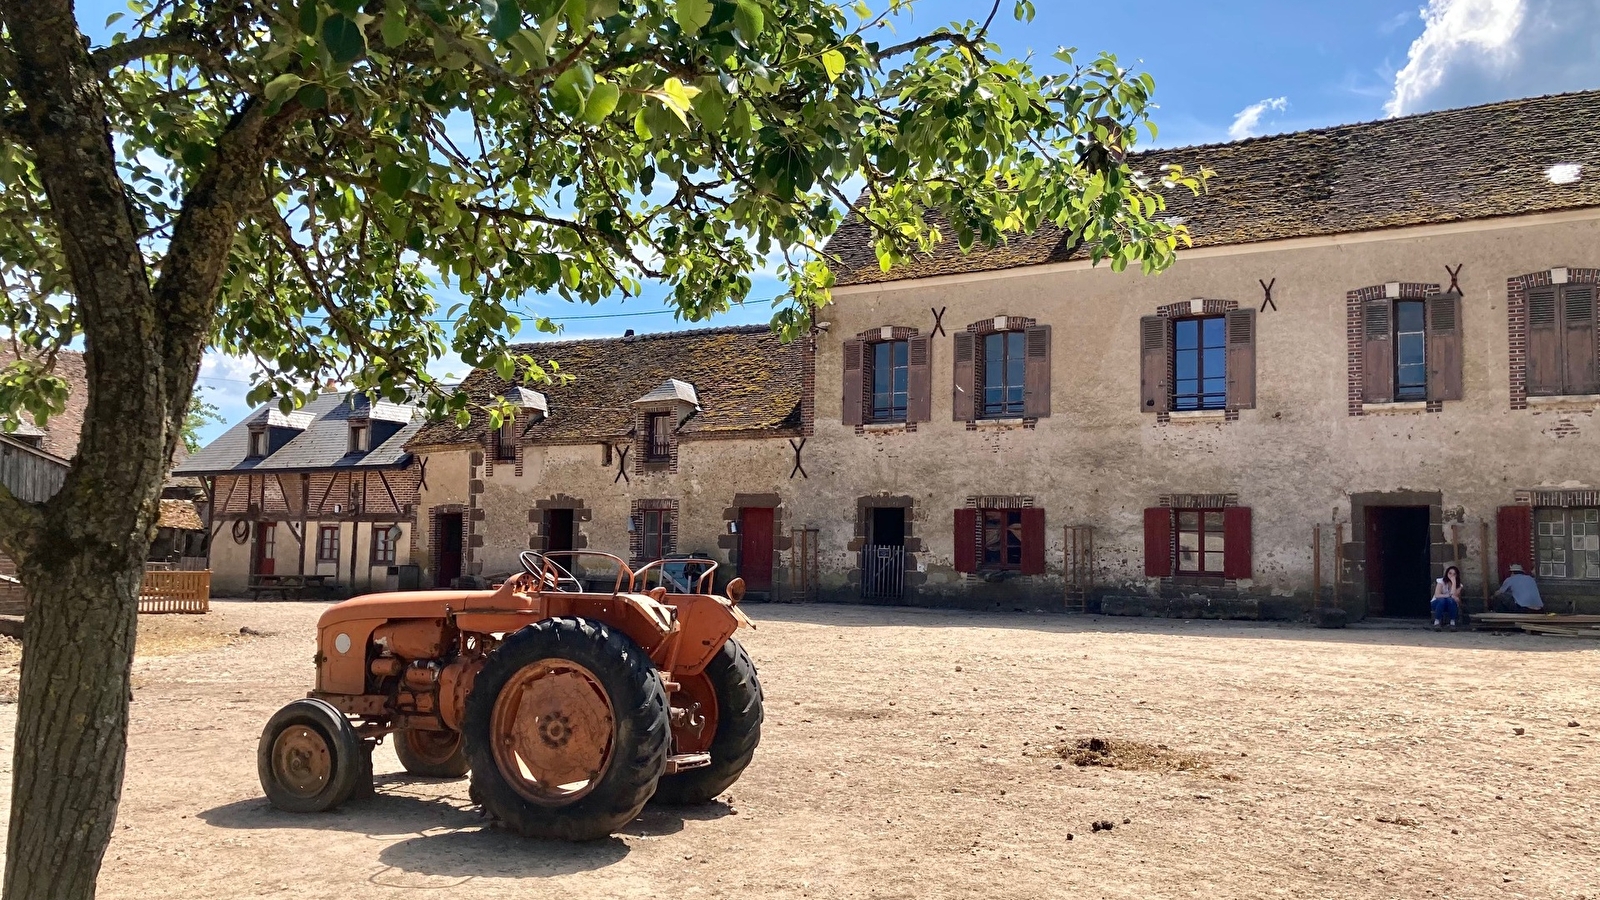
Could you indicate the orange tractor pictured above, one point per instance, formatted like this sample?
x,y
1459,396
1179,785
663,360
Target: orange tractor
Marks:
x,y
571,707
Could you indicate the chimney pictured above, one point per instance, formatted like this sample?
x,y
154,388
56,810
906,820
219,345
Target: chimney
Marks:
x,y
628,335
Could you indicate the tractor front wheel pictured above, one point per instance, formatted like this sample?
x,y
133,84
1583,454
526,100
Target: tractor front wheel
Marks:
x,y
310,758
431,754
729,697
566,730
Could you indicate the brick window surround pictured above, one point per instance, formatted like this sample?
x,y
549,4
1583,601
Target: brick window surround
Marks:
x,y
972,382
1184,309
1355,337
1517,288
869,339
642,462
636,535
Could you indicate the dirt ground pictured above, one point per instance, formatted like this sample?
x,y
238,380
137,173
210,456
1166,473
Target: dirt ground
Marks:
x,y
918,754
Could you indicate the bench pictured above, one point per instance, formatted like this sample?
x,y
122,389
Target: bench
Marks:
x,y
290,587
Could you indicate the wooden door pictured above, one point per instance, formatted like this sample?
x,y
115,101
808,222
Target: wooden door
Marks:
x,y
449,568
262,562
755,548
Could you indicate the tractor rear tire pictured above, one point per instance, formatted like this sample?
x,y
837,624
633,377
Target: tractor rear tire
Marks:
x,y
560,698
431,754
739,715
310,758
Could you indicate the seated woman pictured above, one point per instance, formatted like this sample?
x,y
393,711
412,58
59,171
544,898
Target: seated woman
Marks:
x,y
1447,598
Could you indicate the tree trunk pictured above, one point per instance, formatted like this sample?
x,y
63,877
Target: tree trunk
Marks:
x,y
81,555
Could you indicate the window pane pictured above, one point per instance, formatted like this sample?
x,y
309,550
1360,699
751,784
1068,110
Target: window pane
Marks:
x,y
1214,522
1408,315
1187,364
1213,562
882,368
1188,520
1212,331
1186,334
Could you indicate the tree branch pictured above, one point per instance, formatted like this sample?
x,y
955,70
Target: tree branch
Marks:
x,y
19,520
927,40
177,43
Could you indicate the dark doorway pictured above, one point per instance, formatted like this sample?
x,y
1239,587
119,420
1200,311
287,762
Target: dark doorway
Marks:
x,y
883,559
755,547
888,526
448,529
1398,563
558,532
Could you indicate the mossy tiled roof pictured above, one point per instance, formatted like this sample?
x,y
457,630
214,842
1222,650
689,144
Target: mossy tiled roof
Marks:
x,y
1476,163
747,381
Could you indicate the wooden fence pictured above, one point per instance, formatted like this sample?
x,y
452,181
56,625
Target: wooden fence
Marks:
x,y
176,592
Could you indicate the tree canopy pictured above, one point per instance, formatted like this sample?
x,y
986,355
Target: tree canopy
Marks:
x,y
571,148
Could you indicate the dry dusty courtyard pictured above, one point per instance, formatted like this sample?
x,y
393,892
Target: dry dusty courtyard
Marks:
x,y
910,753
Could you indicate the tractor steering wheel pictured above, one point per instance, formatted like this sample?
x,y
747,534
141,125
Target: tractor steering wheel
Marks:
x,y
552,577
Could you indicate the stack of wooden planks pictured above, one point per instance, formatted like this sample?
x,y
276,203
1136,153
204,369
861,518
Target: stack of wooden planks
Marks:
x,y
1539,623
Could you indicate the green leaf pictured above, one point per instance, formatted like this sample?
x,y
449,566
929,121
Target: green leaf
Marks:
x,y
833,64
677,97
691,15
507,20
310,15
395,180
394,28
748,20
602,102
344,39
282,86
312,96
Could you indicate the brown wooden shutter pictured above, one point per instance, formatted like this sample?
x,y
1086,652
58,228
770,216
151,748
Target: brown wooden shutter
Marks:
x,y
966,540
1236,542
1155,335
851,399
1514,539
1033,541
1241,371
1158,542
1544,342
1036,374
965,378
1577,322
1444,347
1377,353
919,379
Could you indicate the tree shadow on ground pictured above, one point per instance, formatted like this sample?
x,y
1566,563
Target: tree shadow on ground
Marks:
x,y
1387,632
448,837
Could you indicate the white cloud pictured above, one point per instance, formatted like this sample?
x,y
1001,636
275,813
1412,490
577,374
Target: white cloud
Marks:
x,y
1248,121
1480,51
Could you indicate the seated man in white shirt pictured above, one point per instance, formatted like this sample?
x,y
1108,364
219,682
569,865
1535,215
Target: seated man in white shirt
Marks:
x,y
1519,593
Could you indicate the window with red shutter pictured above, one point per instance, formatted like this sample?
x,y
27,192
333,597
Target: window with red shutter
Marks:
x,y
1033,541
1158,542
965,537
1236,542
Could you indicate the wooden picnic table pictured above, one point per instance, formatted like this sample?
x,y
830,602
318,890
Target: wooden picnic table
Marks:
x,y
289,587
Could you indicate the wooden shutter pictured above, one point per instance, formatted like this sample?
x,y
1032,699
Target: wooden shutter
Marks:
x,y
1514,539
965,378
1444,347
1155,336
1377,352
1036,374
966,540
919,379
1544,341
1577,325
1158,542
1236,542
1241,371
1033,541
851,400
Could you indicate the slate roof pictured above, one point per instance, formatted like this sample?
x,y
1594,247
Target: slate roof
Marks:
x,y
746,379
324,443
672,390
1476,163
61,432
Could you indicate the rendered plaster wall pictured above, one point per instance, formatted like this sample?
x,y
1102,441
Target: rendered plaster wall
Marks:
x,y
230,561
1295,459
709,477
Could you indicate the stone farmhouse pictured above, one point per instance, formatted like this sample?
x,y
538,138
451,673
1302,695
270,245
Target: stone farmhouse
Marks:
x,y
1378,359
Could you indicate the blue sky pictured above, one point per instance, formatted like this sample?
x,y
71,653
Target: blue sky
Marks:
x,y
1224,69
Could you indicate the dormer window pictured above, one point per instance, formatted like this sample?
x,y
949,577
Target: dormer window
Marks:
x,y
360,437
258,443
505,440
658,437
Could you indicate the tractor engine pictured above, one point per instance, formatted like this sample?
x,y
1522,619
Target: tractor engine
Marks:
x,y
426,669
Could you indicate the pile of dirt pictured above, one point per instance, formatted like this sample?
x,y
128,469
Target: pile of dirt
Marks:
x,y
1112,753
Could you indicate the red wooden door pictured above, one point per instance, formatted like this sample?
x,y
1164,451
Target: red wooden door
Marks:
x,y
266,537
755,548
